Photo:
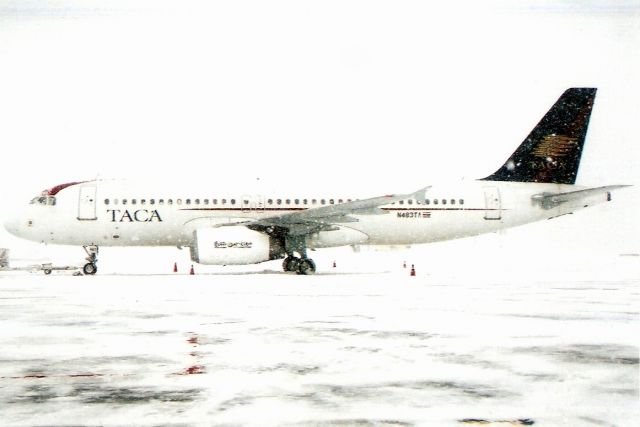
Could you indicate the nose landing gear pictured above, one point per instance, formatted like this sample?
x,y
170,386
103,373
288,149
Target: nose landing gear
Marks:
x,y
90,268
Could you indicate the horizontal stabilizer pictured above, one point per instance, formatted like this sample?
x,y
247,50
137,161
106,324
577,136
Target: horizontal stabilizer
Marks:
x,y
551,200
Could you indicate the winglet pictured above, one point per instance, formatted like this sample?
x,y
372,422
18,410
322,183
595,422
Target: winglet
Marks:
x,y
420,194
395,197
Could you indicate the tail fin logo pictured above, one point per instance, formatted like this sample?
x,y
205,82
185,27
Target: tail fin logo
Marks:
x,y
555,146
552,150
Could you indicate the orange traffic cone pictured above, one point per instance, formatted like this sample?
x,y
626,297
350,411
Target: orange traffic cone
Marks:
x,y
175,267
413,271
191,272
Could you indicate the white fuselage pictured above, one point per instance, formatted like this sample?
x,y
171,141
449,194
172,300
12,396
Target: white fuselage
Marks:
x,y
115,213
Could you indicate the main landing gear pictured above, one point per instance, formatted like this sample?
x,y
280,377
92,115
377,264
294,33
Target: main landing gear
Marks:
x,y
90,268
301,264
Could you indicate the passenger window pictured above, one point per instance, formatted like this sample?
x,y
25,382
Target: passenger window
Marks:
x,y
270,201
296,201
188,201
206,201
305,201
444,201
223,201
152,201
170,201
279,201
115,201
453,201
461,201
322,201
196,201
143,201
133,201
339,200
401,202
246,202
410,201
106,201
161,202
314,202
435,201
179,201
331,201
215,201
288,201
427,201
124,201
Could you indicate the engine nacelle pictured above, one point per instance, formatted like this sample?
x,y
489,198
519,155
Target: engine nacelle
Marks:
x,y
233,245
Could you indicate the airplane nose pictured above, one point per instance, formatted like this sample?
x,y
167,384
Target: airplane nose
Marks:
x,y
11,224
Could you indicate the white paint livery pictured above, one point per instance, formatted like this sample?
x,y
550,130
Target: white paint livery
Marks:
x,y
236,228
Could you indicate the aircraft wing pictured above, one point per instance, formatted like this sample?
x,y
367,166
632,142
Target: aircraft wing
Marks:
x,y
321,218
551,200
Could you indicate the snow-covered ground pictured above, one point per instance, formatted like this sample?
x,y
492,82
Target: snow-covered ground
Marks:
x,y
342,347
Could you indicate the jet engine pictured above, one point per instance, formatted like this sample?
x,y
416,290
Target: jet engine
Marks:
x,y
233,245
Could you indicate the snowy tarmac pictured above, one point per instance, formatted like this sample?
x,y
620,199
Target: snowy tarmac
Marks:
x,y
339,349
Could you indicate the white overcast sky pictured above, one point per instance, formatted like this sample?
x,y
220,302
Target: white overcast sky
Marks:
x,y
378,96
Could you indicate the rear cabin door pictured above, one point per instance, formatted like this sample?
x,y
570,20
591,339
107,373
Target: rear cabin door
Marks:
x,y
87,203
493,205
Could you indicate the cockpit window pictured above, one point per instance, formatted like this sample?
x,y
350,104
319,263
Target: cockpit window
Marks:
x,y
44,200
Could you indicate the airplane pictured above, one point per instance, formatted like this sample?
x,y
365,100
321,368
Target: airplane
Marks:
x,y
226,227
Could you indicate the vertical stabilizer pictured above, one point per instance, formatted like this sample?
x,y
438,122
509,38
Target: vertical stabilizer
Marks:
x,y
551,153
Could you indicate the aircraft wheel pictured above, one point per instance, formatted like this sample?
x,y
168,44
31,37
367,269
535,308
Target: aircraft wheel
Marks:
x,y
47,271
306,266
290,263
90,269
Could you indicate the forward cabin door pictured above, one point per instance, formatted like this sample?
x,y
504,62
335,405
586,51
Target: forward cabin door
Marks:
x,y
493,204
87,203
